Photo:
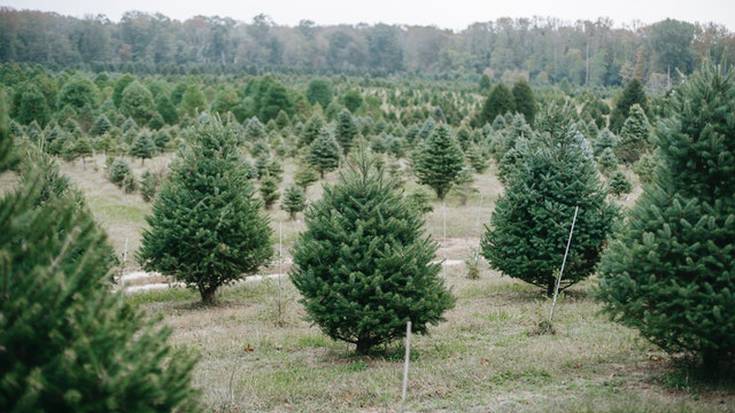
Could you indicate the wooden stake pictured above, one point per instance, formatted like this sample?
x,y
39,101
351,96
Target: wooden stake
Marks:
x,y
404,388
563,263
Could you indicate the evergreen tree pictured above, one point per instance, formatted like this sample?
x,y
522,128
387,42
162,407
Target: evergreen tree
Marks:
x,y
143,147
193,101
476,158
524,101
607,162
364,266
605,139
148,186
484,83
312,129
120,85
69,343
439,161
634,136
632,94
119,169
32,106
618,184
305,176
463,186
207,229
669,272
346,131
324,153
319,91
269,190
77,93
166,109
101,125
137,103
530,225
352,99
498,103
646,167
294,201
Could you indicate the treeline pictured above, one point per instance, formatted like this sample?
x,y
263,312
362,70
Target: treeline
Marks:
x,y
540,49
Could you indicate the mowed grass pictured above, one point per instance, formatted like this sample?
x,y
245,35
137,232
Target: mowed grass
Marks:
x,y
258,353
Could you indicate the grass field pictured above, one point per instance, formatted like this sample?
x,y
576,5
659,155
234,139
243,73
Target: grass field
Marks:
x,y
484,357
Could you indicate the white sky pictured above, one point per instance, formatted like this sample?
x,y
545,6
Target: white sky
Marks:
x,y
454,14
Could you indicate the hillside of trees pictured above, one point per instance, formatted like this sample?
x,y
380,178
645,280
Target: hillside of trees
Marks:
x,y
542,49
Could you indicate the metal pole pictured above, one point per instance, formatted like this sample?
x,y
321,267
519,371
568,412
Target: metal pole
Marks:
x,y
563,263
404,389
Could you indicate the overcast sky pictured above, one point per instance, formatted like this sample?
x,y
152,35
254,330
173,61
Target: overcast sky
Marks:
x,y
454,14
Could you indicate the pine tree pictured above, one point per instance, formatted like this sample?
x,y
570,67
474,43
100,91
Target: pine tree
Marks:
x,y
143,147
605,139
364,266
69,343
346,131
619,184
439,161
528,230
207,228
463,185
476,158
634,136
294,201
632,94
319,92
497,104
669,272
608,162
305,176
269,190
312,130
148,186
119,169
32,106
523,100
137,103
101,125
324,153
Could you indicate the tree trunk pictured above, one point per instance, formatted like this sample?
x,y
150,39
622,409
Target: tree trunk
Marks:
x,y
208,295
363,345
550,288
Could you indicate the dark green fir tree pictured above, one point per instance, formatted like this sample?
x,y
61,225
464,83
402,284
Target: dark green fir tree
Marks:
x,y
294,201
207,228
324,153
669,272
364,265
524,101
69,342
529,228
346,130
632,94
439,161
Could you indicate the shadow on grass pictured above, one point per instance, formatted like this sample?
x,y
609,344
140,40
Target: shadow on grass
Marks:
x,y
687,373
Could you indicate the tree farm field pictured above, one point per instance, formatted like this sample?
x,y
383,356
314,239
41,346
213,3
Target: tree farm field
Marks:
x,y
258,353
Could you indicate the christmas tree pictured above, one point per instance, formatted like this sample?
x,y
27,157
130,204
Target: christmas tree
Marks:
x,y
497,104
364,265
207,228
69,343
294,201
669,272
529,228
324,153
634,136
523,100
346,130
439,161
